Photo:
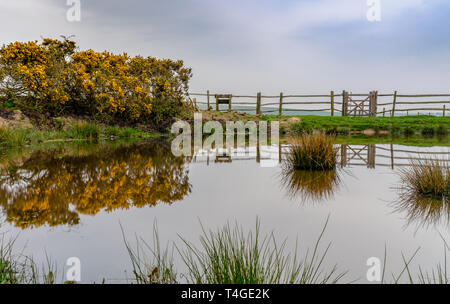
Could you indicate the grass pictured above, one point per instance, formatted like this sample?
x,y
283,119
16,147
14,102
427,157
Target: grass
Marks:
x,y
160,270
438,275
315,152
225,256
16,268
231,256
84,130
426,178
16,137
406,125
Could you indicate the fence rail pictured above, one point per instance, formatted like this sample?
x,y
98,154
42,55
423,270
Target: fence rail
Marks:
x,y
345,103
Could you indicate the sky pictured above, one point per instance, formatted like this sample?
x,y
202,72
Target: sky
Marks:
x,y
272,46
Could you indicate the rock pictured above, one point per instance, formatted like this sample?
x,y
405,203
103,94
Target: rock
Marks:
x,y
293,120
18,115
369,132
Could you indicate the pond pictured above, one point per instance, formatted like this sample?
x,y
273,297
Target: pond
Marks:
x,y
82,199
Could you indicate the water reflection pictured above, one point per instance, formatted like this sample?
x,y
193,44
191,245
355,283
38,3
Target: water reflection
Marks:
x,y
423,212
55,187
313,186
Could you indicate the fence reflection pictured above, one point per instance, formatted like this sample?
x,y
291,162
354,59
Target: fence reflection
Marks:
x,y
368,155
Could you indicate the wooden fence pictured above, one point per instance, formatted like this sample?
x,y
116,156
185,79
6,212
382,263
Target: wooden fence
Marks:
x,y
333,104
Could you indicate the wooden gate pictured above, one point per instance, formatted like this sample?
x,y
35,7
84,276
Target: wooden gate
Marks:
x,y
359,104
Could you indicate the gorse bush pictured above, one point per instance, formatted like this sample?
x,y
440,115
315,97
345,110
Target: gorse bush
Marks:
x,y
53,77
312,152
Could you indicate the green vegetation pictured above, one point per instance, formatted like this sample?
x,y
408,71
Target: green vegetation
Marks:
x,y
16,137
230,256
314,152
54,78
403,125
427,178
225,256
416,140
21,269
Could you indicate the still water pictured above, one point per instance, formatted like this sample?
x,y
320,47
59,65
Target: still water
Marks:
x,y
73,200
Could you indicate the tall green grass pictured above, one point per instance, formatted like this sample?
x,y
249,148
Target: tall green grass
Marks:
x,y
13,137
231,256
17,268
85,130
17,137
159,270
438,275
312,151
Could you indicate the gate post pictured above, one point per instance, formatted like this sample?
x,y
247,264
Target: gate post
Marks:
x,y
373,103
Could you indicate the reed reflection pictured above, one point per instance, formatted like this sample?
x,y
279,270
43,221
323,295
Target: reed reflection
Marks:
x,y
310,186
423,212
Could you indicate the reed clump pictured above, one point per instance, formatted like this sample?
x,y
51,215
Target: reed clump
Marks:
x,y
312,151
231,256
427,178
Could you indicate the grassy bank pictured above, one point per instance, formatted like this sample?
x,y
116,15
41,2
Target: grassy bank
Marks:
x,y
406,125
16,137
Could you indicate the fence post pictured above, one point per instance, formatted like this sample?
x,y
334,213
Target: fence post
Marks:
x,y
344,105
332,103
217,103
229,104
392,156
258,103
443,112
373,103
281,104
207,104
384,110
393,105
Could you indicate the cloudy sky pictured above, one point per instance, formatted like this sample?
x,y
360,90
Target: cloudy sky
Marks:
x,y
245,46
